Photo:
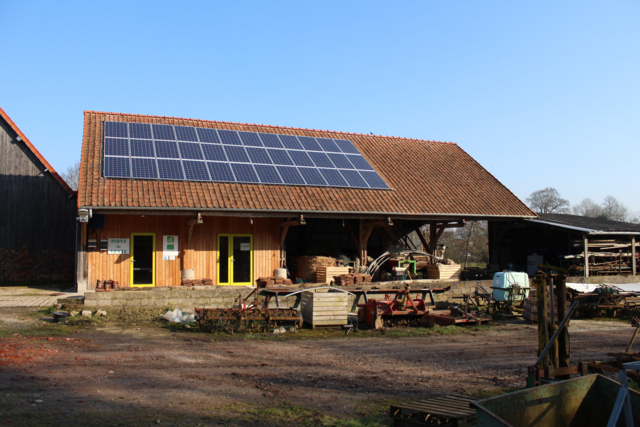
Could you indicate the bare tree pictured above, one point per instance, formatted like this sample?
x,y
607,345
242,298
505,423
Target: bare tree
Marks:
x,y
587,207
72,175
548,200
613,210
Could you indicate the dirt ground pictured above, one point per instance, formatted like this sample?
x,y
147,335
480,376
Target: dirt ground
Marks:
x,y
119,371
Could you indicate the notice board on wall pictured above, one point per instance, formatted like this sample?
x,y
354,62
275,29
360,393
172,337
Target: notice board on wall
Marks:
x,y
170,249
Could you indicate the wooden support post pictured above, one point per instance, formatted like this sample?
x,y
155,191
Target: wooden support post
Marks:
x,y
283,253
363,243
564,348
586,255
633,255
543,324
432,238
425,245
82,265
355,241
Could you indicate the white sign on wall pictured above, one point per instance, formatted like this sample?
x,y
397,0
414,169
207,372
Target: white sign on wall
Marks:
x,y
169,247
118,246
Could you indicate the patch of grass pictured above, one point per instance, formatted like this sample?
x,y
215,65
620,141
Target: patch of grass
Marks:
x,y
287,414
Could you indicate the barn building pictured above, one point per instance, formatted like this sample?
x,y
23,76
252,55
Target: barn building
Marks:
x,y
38,207
235,201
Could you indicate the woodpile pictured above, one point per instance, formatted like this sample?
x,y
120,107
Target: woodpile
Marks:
x,y
107,285
267,282
307,266
326,274
351,279
197,282
444,272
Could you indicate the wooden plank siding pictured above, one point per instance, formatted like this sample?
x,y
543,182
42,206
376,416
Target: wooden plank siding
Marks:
x,y
200,254
36,211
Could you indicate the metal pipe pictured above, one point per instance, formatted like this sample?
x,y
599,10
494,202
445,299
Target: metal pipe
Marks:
x,y
555,335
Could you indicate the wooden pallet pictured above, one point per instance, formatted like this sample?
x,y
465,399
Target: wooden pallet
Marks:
x,y
452,410
325,274
444,272
324,308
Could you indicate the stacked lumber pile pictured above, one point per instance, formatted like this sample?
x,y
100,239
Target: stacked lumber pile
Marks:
x,y
307,266
326,274
324,308
197,282
444,272
107,285
351,279
267,282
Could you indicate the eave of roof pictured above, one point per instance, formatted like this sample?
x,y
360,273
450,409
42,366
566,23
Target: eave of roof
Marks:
x,y
589,231
36,153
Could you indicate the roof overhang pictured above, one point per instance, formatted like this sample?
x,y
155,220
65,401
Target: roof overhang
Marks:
x,y
274,213
583,230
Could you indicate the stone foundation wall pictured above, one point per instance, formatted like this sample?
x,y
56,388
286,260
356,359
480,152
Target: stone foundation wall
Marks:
x,y
223,296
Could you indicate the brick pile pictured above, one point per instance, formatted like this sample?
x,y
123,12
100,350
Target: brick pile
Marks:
x,y
351,279
267,282
107,285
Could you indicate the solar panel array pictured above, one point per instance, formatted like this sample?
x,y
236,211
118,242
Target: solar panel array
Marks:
x,y
167,152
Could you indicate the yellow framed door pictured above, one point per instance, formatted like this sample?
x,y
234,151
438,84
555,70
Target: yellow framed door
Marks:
x,y
235,259
143,259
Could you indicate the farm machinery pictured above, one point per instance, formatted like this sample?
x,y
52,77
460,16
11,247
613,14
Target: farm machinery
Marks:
x,y
405,310
248,316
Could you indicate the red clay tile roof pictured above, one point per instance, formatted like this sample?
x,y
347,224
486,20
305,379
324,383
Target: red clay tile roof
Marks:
x,y
427,178
35,151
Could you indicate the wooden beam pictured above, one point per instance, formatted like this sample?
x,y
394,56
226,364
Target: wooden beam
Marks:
x,y
289,224
375,224
586,255
438,235
427,248
391,233
633,255
432,237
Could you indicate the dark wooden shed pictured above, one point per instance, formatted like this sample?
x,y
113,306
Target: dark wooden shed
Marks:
x,y
38,207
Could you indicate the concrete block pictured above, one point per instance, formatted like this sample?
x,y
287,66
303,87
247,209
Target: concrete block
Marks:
x,y
91,303
86,313
101,313
90,296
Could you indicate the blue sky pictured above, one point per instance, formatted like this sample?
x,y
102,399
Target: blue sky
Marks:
x,y
540,93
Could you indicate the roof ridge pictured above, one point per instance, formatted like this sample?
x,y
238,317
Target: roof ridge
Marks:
x,y
35,151
273,126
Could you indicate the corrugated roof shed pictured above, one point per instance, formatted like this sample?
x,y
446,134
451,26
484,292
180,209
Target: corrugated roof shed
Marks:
x,y
427,178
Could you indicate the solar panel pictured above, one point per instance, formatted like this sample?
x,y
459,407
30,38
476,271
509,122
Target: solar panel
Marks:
x,y
163,132
143,168
189,150
328,145
300,158
321,160
270,140
340,160
250,139
354,179
291,142
236,154
185,133
268,174
279,157
208,135
346,146
333,177
312,176
116,167
229,137
116,130
373,179
170,169
170,152
220,172
359,162
309,144
291,176
214,152
142,148
116,147
195,171
244,172
258,155
139,130
166,150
